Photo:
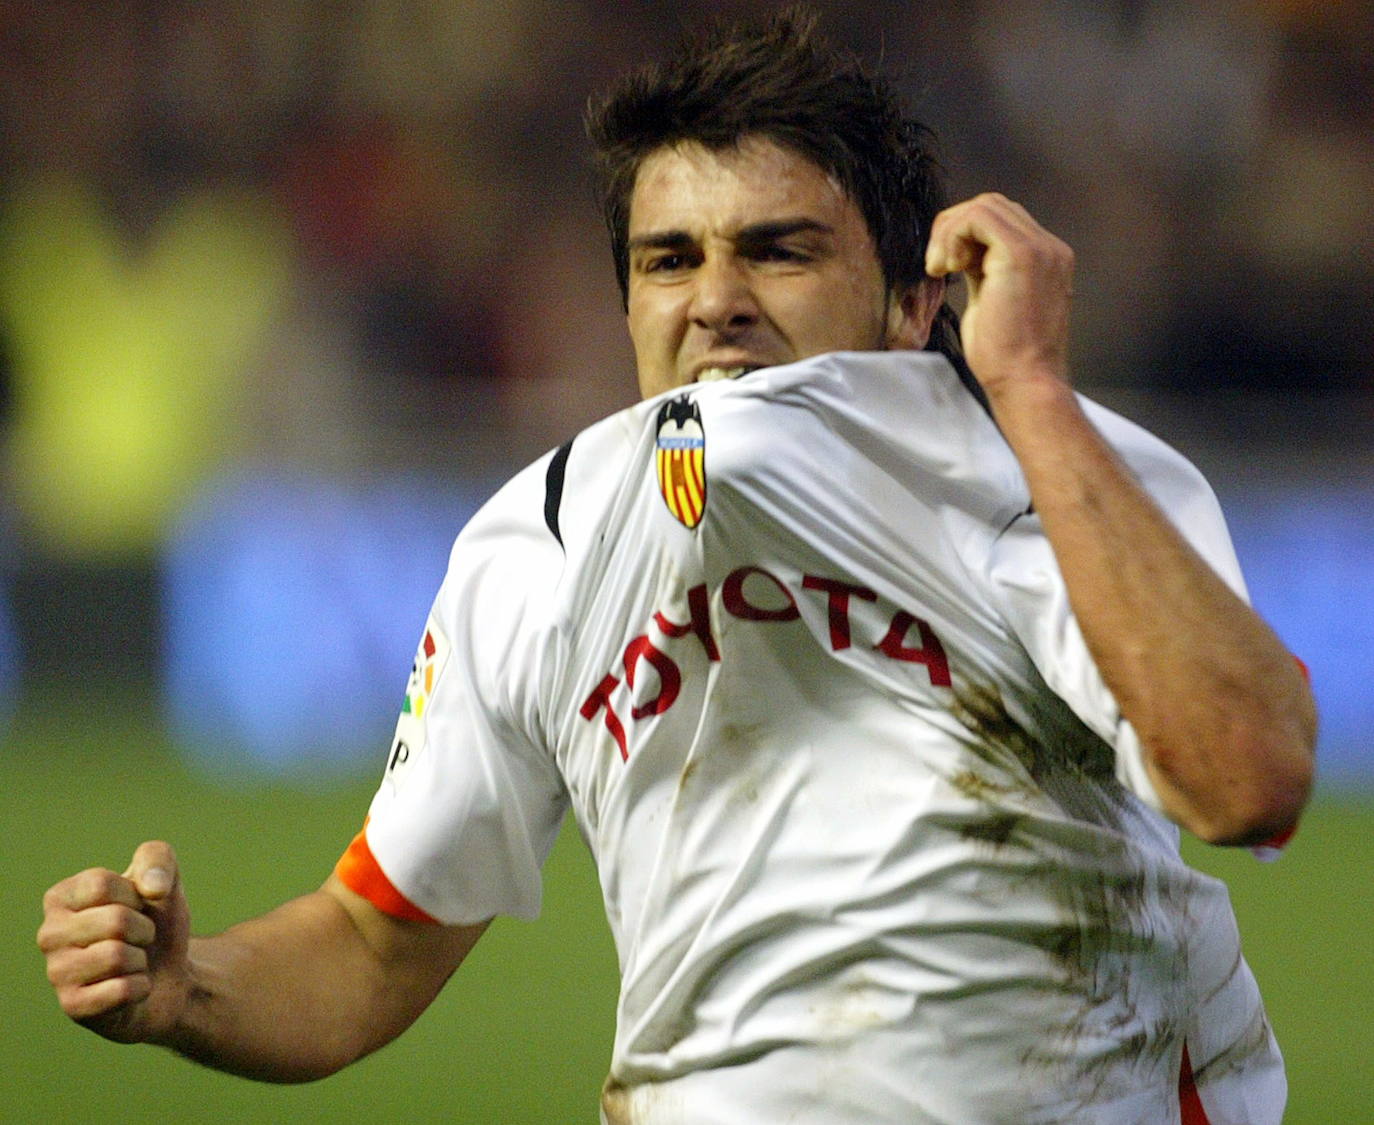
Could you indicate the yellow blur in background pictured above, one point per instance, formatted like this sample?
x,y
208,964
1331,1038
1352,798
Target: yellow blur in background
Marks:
x,y
126,359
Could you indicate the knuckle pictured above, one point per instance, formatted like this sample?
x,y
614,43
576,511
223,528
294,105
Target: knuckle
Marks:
x,y
92,886
116,922
73,1002
86,1002
116,958
125,924
77,929
65,969
61,965
51,938
119,990
103,999
107,958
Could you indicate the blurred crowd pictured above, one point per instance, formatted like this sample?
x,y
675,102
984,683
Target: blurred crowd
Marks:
x,y
288,286
348,234
338,232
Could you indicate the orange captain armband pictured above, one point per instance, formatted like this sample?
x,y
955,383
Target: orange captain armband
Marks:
x,y
360,872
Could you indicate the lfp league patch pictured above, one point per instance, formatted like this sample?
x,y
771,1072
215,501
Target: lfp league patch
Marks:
x,y
430,659
681,460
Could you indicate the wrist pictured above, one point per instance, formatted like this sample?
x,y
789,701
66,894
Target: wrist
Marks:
x,y
174,1020
1032,393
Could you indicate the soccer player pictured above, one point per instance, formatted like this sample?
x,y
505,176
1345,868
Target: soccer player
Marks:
x,y
878,680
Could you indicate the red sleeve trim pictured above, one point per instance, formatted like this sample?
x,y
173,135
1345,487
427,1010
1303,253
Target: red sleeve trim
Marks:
x,y
1189,1103
1281,839
360,872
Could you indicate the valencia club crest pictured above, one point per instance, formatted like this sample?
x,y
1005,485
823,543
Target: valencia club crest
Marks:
x,y
681,458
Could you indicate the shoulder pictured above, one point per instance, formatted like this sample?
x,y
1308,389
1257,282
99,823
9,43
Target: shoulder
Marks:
x,y
1176,485
1174,481
849,419
915,396
522,539
531,509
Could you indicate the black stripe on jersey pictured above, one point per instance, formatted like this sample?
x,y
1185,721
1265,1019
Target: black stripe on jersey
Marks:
x,y
553,488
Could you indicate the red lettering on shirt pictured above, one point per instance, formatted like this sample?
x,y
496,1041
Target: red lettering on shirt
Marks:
x,y
669,677
600,698
839,598
699,603
931,653
732,593
840,593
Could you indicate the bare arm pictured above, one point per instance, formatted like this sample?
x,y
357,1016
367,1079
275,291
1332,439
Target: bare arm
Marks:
x,y
1223,713
291,996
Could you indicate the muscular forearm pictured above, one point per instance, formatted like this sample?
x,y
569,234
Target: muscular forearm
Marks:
x,y
283,998
290,996
299,993
1222,712
1221,708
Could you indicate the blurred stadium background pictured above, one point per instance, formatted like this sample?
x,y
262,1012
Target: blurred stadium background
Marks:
x,y
287,288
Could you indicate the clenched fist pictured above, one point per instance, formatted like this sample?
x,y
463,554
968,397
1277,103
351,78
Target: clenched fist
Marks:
x,y
116,947
1020,285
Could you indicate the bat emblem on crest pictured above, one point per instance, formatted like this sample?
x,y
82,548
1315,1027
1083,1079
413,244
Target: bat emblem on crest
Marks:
x,y
681,460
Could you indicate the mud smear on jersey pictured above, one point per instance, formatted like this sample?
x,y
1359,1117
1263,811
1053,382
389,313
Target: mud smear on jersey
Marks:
x,y
622,1106
615,1103
734,743
1026,790
1004,741
1243,1052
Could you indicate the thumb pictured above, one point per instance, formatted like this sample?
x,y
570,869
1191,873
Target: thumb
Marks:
x,y
153,871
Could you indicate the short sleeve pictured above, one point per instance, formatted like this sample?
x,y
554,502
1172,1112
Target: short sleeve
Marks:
x,y
470,801
1030,593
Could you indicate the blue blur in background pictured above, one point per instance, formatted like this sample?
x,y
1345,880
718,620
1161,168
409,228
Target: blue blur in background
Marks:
x,y
9,662
292,606
1308,556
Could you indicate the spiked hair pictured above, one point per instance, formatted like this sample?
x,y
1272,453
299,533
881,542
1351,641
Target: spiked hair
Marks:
x,y
778,80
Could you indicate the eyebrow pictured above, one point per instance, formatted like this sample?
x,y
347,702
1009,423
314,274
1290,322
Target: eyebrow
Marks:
x,y
764,232
754,234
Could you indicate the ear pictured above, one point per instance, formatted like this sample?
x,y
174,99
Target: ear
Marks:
x,y
911,312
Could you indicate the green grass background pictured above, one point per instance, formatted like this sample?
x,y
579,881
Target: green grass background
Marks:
x,y
522,1034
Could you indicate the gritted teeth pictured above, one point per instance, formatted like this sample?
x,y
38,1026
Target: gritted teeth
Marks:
x,y
715,374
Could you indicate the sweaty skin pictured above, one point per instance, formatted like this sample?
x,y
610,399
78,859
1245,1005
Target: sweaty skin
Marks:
x,y
740,259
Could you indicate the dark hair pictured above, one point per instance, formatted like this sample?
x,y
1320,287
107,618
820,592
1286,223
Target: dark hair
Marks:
x,y
777,79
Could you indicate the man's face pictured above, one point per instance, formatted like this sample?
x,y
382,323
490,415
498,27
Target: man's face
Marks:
x,y
750,257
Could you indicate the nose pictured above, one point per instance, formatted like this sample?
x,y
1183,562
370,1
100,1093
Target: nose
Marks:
x,y
723,299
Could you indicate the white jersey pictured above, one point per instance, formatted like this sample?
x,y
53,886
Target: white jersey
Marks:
x,y
875,842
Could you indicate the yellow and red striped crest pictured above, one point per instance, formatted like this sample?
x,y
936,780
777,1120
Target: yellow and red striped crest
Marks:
x,y
681,460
